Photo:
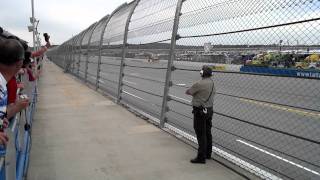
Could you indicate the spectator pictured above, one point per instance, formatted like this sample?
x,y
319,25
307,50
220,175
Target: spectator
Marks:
x,y
11,60
14,105
40,52
12,87
202,93
27,68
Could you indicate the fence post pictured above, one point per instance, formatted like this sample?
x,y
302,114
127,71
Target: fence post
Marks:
x,y
62,57
65,47
80,46
101,44
100,51
168,82
68,55
81,35
124,48
71,55
88,45
75,47
73,58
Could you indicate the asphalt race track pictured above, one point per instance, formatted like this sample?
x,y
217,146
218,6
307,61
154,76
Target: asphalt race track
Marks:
x,y
270,122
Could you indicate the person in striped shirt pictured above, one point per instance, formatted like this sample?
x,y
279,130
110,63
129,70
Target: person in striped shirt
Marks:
x,y
11,60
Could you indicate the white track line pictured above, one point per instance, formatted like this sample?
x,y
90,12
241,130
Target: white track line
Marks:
x,y
278,157
134,95
283,108
129,82
180,98
134,74
241,163
183,85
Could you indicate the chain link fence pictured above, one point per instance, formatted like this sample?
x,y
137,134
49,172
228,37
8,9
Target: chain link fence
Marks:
x,y
266,61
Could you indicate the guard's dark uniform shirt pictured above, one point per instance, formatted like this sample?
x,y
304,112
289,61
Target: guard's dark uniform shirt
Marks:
x,y
200,92
203,92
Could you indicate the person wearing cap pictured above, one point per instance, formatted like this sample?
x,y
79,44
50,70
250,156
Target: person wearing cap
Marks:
x,y
11,59
202,93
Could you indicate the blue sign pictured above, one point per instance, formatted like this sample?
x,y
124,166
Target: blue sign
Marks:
x,y
311,73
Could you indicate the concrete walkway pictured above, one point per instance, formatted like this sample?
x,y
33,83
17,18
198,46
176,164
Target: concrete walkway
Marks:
x,y
79,134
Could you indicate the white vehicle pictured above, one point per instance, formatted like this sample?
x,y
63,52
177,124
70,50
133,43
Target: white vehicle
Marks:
x,y
314,65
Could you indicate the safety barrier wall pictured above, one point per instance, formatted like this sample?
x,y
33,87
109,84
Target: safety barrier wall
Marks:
x,y
146,53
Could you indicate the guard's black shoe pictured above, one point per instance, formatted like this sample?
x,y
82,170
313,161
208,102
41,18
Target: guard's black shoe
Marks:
x,y
198,161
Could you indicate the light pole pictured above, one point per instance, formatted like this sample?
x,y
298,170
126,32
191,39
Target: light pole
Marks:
x,y
38,40
33,27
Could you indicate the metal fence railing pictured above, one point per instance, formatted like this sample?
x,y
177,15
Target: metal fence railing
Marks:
x,y
266,61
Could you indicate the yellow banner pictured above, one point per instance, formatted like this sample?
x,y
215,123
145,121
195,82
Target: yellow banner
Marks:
x,y
218,68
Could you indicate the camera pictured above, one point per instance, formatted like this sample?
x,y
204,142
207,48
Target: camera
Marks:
x,y
23,96
46,37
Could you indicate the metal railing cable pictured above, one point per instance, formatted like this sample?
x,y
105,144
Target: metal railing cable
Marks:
x,y
180,114
268,147
153,42
252,29
145,67
144,78
251,160
255,124
273,103
282,105
260,144
268,128
257,100
251,73
141,99
110,72
147,92
110,64
109,80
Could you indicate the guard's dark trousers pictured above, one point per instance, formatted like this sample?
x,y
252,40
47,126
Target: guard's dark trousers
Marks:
x,y
202,124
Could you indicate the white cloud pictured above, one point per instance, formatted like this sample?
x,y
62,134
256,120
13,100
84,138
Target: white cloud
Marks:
x,y
60,18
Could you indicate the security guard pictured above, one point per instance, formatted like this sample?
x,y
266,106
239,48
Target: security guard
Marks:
x,y
202,93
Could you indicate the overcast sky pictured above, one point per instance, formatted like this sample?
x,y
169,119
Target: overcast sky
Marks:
x,y
60,18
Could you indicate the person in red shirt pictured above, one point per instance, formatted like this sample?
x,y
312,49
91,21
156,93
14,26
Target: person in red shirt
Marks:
x,y
12,88
14,105
28,70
